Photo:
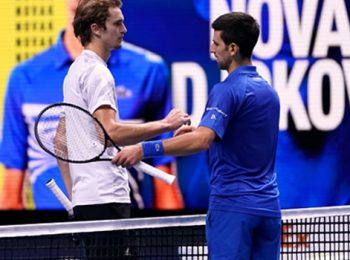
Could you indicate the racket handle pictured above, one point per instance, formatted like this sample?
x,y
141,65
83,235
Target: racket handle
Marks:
x,y
67,204
150,170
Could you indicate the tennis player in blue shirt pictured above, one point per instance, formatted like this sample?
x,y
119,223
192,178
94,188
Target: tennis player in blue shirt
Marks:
x,y
240,128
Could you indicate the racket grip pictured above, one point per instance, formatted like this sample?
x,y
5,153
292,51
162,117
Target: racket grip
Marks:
x,y
150,170
67,204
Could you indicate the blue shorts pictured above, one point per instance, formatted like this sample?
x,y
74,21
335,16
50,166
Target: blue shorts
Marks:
x,y
239,236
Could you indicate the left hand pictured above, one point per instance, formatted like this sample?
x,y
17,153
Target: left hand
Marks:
x,y
128,156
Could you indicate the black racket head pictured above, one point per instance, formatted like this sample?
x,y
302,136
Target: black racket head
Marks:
x,y
70,133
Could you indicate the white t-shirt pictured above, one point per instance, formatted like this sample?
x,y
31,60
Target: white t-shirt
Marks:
x,y
89,84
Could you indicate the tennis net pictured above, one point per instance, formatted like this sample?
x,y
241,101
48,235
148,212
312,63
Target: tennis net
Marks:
x,y
313,233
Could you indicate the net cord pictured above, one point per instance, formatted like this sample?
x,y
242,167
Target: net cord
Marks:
x,y
149,223
100,225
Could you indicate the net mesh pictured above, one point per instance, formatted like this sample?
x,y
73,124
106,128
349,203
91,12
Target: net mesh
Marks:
x,y
306,234
316,238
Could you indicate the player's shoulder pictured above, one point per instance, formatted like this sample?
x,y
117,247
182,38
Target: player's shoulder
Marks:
x,y
129,51
230,87
38,62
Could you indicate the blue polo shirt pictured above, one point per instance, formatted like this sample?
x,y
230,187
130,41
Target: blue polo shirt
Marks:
x,y
243,111
143,95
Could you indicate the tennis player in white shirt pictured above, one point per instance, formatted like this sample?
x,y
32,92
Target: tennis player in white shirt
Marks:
x,y
100,190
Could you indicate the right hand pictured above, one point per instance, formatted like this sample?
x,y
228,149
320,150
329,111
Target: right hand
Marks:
x,y
177,118
128,156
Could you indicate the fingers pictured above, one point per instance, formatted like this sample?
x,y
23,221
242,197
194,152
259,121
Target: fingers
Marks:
x,y
187,120
121,161
176,118
117,160
128,157
183,130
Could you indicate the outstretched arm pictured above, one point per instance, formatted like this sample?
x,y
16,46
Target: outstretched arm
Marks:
x,y
189,143
126,134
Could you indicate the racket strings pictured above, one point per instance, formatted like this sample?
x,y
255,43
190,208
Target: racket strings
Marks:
x,y
70,134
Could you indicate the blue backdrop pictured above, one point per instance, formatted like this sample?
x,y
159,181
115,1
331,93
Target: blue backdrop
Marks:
x,y
304,52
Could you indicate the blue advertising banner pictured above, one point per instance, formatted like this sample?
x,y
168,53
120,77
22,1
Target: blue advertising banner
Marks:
x,y
303,51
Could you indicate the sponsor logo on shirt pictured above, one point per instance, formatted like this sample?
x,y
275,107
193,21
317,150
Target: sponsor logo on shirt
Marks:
x,y
123,92
217,110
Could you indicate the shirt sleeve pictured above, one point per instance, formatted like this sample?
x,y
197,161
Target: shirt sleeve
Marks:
x,y
100,89
14,137
221,106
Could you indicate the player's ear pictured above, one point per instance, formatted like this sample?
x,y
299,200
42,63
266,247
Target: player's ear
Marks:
x,y
95,29
233,48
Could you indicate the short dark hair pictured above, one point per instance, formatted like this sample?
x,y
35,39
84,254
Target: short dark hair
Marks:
x,y
89,12
240,28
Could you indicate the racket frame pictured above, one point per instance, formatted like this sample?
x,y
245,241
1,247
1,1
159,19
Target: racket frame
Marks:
x,y
168,178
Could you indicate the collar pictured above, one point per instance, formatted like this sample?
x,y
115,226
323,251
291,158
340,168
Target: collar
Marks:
x,y
244,69
93,55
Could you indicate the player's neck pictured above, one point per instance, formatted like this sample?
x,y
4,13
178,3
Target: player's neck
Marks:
x,y
238,63
99,50
71,43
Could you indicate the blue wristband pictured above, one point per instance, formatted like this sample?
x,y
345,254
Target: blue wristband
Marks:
x,y
152,149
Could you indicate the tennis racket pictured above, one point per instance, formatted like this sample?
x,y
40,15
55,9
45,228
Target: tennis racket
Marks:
x,y
71,134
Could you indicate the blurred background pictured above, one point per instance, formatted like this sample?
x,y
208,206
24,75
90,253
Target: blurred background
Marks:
x,y
304,51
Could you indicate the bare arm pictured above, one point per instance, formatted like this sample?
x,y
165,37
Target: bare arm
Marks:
x,y
60,142
185,144
189,143
125,134
11,196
